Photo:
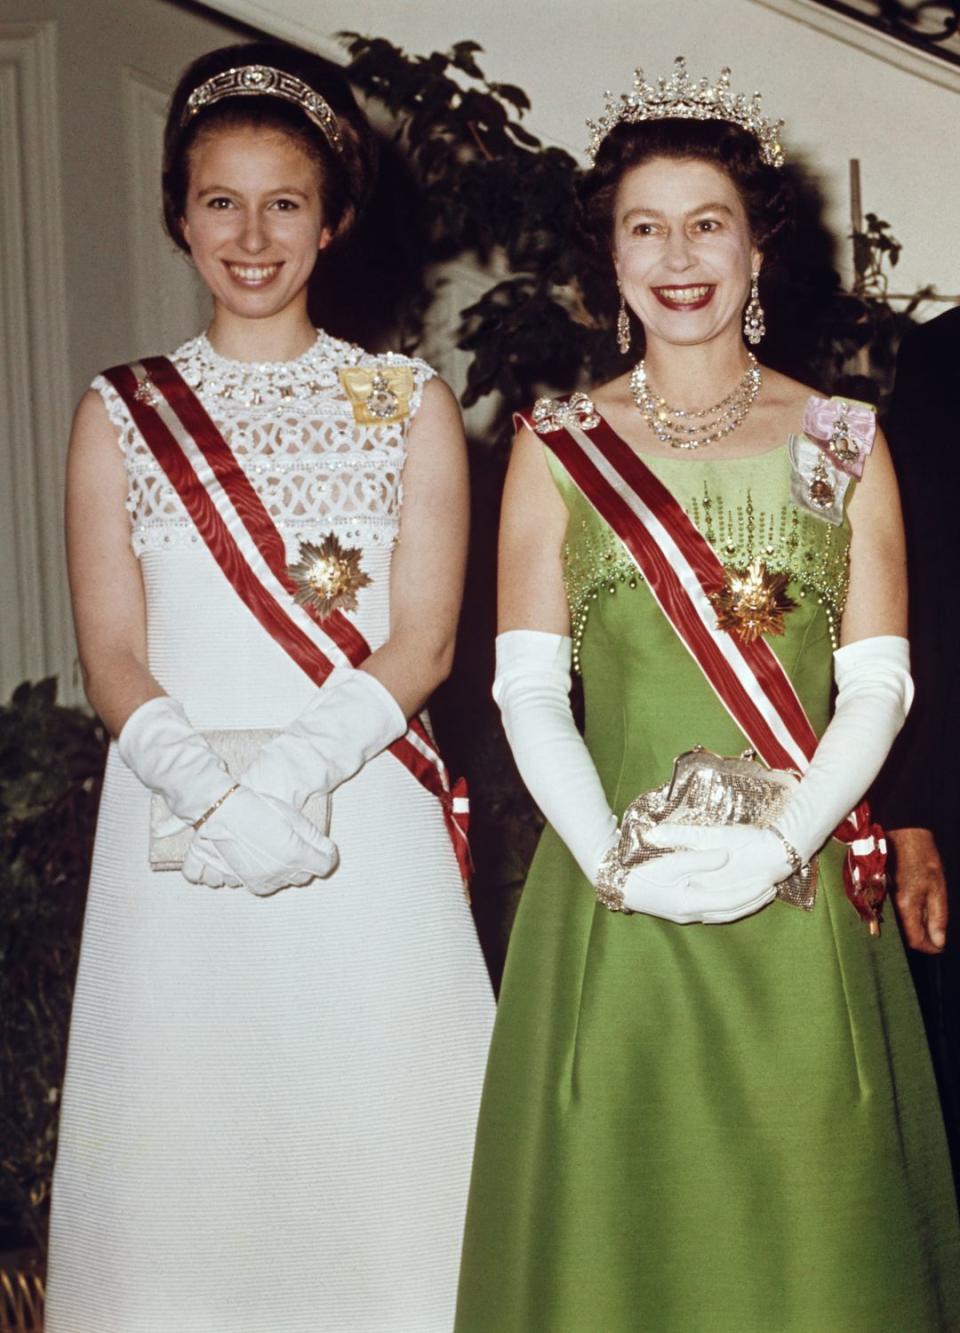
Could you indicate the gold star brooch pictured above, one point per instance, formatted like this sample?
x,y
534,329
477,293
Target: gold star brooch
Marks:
x,y
752,602
328,577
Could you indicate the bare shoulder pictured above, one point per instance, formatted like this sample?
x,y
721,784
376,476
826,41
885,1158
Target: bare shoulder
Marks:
x,y
528,480
93,433
438,397
437,422
91,411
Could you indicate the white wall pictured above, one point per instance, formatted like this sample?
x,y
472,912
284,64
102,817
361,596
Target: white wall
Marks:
x,y
86,277
838,101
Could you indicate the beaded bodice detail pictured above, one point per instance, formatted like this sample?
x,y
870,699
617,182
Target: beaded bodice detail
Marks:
x,y
757,521
293,430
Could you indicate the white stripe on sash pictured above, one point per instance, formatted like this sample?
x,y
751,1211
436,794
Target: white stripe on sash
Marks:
x,y
699,601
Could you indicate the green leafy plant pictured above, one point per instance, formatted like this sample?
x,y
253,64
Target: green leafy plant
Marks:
x,y
868,329
493,191
51,759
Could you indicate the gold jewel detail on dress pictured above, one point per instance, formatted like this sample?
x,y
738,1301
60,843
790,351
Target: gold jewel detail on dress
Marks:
x,y
378,394
753,602
680,97
822,491
147,392
265,80
682,429
328,577
550,414
789,539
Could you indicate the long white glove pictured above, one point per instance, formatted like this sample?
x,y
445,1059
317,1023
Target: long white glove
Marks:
x,y
532,687
248,839
352,718
874,693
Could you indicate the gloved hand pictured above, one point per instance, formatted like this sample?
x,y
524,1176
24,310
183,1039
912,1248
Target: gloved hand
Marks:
x,y
260,843
533,690
352,718
165,752
748,865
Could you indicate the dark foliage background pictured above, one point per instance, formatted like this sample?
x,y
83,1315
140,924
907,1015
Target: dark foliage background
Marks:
x,y
51,762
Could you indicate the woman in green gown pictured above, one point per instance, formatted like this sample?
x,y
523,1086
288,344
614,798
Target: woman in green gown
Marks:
x,y
714,1113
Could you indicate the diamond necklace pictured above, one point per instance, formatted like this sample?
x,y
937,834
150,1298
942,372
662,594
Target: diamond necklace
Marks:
x,y
681,429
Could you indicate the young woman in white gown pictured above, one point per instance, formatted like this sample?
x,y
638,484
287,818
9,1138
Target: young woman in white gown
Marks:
x,y
276,1050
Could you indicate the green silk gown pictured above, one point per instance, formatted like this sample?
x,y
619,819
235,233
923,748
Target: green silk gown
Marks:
x,y
704,1129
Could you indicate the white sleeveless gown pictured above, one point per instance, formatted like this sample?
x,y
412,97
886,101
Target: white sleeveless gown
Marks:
x,y
270,1103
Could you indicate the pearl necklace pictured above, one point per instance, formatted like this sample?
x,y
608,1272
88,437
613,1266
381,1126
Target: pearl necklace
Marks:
x,y
681,429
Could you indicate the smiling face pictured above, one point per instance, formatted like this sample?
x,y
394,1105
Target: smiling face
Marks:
x,y
254,220
682,249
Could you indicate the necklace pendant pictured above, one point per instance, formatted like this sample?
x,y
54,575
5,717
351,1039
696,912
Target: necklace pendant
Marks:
x,y
822,492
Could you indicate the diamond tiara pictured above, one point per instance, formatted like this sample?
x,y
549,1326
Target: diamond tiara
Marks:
x,y
265,80
682,98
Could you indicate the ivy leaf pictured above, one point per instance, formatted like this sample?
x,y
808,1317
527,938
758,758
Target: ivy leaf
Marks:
x,y
523,135
512,94
461,56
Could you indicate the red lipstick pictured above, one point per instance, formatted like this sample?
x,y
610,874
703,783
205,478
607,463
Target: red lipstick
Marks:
x,y
685,296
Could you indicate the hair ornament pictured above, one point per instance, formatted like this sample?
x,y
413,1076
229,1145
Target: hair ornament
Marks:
x,y
265,80
681,98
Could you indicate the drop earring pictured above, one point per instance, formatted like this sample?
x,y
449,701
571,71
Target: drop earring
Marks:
x,y
623,324
753,325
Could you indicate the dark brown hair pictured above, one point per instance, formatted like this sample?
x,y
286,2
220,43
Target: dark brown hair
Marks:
x,y
763,189
346,178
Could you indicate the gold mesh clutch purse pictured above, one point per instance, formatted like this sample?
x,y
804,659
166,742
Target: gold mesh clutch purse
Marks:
x,y
170,837
707,790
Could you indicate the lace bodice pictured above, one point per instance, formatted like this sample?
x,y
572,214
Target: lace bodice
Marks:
x,y
294,430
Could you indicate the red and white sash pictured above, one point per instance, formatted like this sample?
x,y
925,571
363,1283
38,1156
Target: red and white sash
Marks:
x,y
243,539
682,569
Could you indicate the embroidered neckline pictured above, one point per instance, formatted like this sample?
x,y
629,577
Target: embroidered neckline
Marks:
x,y
322,348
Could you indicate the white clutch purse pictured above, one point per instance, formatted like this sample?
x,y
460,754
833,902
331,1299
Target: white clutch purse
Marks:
x,y
170,837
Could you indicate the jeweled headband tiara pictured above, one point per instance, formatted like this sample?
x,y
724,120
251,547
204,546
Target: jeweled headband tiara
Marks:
x,y
261,80
681,98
